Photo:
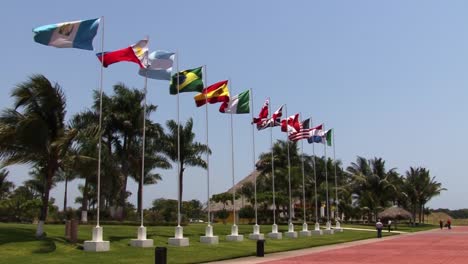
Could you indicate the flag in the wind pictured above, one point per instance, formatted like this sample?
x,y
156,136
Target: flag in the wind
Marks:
x,y
137,53
187,81
238,104
274,120
324,137
160,65
291,124
75,34
303,133
263,115
316,134
212,94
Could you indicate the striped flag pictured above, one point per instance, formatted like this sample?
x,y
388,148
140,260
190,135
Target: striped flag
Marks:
x,y
263,115
303,133
216,93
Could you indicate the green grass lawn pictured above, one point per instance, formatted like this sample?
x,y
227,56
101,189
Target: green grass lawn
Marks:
x,y
18,244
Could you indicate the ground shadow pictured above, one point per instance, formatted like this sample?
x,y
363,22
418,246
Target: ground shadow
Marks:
x,y
46,246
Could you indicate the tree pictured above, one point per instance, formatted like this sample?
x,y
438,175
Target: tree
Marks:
x,y
5,186
33,132
190,151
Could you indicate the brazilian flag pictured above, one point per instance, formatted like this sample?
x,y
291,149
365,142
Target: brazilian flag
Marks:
x,y
188,81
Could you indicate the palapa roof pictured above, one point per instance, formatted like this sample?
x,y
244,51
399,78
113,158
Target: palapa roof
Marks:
x,y
395,212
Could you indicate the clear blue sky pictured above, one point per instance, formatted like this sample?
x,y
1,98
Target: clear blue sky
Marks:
x,y
389,76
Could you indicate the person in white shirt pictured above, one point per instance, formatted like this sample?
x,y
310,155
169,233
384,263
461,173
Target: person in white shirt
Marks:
x,y
379,227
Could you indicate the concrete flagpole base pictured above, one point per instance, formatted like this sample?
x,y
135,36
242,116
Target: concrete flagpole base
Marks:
x,y
179,240
234,236
96,244
305,231
208,238
291,233
274,232
328,229
317,231
338,227
141,240
256,235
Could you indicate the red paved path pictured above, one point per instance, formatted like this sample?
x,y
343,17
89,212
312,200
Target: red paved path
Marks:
x,y
440,246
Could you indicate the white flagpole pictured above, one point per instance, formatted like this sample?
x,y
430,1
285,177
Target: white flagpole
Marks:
x,y
290,224
97,244
303,186
253,159
178,147
143,147
207,154
336,179
317,225
234,230
274,229
326,181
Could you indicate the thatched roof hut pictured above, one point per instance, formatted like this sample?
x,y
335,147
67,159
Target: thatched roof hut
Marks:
x,y
394,213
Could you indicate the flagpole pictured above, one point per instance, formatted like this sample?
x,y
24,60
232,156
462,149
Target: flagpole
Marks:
x,y
326,180
303,187
97,244
253,164
317,225
290,224
274,229
143,147
208,238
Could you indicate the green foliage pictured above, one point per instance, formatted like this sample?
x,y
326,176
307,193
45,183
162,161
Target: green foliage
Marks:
x,y
247,212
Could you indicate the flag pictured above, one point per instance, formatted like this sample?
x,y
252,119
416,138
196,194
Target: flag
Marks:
x,y
189,81
274,120
212,94
137,53
291,124
75,34
263,115
324,137
303,133
238,104
160,65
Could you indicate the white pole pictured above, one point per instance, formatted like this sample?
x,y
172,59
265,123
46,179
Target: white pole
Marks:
x,y
253,157
232,172
289,167
303,182
326,179
143,147
100,127
272,167
178,148
207,154
315,178
336,177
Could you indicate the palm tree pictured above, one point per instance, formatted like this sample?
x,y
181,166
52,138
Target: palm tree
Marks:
x,y
5,185
190,151
33,131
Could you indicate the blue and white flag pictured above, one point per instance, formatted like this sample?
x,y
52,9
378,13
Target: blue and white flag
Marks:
x,y
76,34
160,65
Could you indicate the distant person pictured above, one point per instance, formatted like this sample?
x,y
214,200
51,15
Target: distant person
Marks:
x,y
379,227
441,224
389,225
449,224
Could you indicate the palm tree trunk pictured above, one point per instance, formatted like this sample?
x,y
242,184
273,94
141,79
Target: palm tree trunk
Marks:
x,y
45,200
65,194
181,184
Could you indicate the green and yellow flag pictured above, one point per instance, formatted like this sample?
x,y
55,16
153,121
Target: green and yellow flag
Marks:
x,y
187,81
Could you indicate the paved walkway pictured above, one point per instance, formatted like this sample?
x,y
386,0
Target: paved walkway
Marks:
x,y
429,247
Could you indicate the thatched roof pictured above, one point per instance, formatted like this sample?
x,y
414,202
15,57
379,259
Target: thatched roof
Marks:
x,y
395,213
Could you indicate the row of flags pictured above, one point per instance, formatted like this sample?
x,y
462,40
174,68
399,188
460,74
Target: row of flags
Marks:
x,y
296,130
158,65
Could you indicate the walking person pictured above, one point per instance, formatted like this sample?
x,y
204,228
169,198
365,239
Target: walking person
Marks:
x,y
379,227
449,224
441,224
389,225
